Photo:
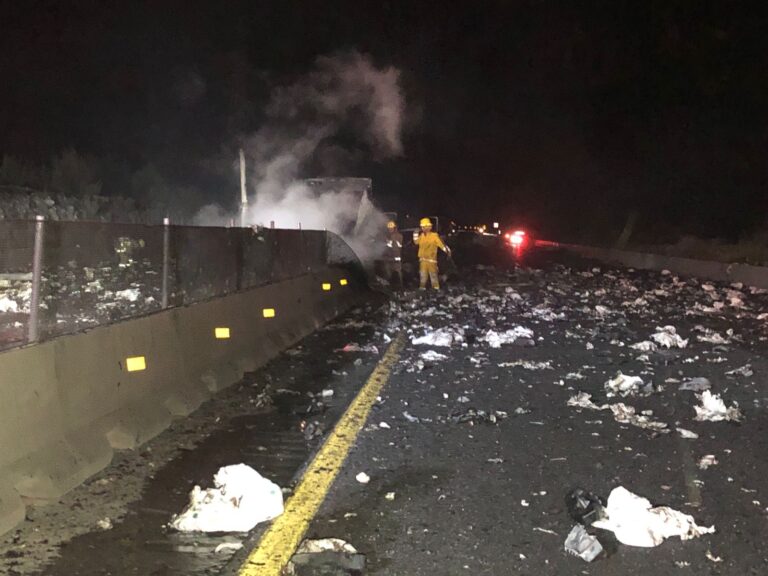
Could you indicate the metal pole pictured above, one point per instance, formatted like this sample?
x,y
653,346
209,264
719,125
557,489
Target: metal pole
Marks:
x,y
243,194
37,273
166,256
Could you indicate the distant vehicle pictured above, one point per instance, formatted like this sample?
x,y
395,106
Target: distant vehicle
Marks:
x,y
519,240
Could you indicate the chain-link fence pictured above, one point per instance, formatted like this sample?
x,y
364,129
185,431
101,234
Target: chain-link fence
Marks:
x,y
61,277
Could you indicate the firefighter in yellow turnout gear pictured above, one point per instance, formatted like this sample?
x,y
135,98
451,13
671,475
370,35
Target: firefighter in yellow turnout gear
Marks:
x,y
428,243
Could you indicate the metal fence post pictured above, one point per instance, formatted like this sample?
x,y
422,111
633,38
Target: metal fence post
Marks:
x,y
37,274
166,256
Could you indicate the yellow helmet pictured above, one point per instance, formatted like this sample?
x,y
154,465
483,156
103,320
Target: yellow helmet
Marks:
x,y
391,225
425,222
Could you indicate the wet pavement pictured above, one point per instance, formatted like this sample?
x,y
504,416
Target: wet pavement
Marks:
x,y
471,455
259,422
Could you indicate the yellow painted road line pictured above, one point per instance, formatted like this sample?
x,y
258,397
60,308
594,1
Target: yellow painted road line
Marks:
x,y
284,535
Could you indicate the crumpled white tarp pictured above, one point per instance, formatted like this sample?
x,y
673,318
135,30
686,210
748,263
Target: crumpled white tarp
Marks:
x,y
668,337
240,499
440,337
496,339
714,409
636,523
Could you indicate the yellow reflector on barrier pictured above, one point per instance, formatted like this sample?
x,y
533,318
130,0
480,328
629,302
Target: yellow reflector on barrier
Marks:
x,y
326,286
268,312
221,333
135,363
343,282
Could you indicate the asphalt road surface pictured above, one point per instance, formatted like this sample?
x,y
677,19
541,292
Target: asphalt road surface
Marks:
x,y
452,492
456,498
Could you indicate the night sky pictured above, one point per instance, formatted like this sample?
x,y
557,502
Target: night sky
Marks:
x,y
567,115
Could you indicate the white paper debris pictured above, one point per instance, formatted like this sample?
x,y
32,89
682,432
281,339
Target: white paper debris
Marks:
x,y
129,294
627,415
623,385
527,364
668,337
713,408
241,499
745,370
581,544
432,356
363,478
687,434
441,337
644,346
707,461
584,400
636,523
496,339
104,524
228,547
698,384
8,305
325,545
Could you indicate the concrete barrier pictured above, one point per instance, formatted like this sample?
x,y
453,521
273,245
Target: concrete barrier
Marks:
x,y
719,271
69,402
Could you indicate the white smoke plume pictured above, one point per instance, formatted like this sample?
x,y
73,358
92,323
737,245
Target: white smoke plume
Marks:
x,y
345,93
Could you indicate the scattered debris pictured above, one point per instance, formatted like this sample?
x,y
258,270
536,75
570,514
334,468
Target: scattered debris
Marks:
x,y
713,409
363,478
581,544
228,547
644,346
745,371
517,335
472,417
331,556
442,337
411,418
104,524
389,496
432,356
636,523
627,415
527,364
584,400
240,499
698,384
712,557
687,434
355,347
707,461
624,385
584,506
668,337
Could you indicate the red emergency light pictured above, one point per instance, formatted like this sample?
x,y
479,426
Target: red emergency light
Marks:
x,y
517,238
